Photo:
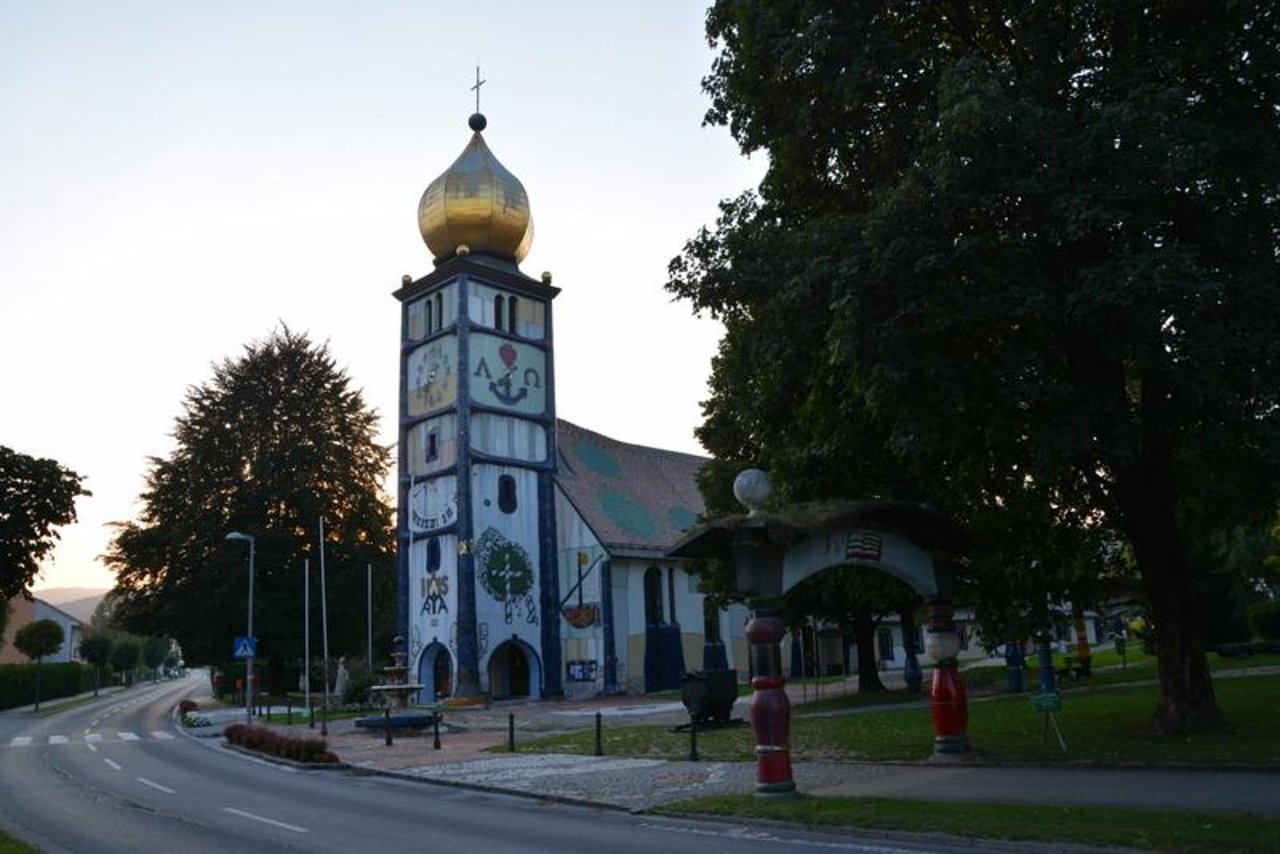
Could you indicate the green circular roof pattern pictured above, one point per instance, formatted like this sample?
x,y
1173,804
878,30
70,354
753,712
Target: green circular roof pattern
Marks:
x,y
630,516
596,458
682,517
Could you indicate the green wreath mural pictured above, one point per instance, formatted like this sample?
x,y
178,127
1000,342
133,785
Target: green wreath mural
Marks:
x,y
505,574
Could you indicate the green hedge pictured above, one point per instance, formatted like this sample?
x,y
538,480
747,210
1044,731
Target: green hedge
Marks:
x,y
18,682
1264,619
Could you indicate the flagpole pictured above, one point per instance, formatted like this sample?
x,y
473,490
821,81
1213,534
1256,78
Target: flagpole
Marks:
x,y
306,639
324,631
368,569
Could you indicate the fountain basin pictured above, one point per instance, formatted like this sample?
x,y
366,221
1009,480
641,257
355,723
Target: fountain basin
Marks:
x,y
410,720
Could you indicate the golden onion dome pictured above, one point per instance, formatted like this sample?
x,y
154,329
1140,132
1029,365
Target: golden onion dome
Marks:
x,y
477,204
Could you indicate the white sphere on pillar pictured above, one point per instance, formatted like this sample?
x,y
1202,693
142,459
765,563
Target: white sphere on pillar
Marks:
x,y
751,488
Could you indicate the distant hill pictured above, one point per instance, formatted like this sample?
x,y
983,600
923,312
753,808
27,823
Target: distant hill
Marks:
x,y
79,602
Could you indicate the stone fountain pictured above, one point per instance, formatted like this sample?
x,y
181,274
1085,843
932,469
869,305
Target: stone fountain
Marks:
x,y
395,691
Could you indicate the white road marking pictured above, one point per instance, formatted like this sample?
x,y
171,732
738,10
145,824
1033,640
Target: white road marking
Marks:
x,y
91,747
162,736
127,736
114,766
93,723
144,781
20,741
92,737
269,821
58,739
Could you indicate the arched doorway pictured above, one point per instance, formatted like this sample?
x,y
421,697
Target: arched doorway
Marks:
x,y
435,673
513,670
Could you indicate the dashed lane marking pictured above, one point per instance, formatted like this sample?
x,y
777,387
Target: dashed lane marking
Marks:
x,y
265,820
114,766
144,781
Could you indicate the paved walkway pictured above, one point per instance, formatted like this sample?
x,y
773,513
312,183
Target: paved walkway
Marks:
x,y
466,758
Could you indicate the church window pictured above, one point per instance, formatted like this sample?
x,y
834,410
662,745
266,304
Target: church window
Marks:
x,y
507,493
671,593
430,325
511,314
653,596
417,321
433,554
433,445
439,312
499,311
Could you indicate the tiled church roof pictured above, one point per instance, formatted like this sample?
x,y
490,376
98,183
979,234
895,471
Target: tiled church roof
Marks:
x,y
637,500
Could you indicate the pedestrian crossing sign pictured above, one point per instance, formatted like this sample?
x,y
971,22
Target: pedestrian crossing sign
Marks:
x,y
245,647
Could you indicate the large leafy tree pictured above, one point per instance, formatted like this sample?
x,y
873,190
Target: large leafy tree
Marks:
x,y
273,442
95,648
37,639
1017,258
36,497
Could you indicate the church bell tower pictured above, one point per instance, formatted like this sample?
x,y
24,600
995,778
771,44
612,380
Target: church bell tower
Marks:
x,y
478,583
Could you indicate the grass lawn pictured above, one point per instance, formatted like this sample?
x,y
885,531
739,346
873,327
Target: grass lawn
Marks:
x,y
1147,829
1107,724
9,845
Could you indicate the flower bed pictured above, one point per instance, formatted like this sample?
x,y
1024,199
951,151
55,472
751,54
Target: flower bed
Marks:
x,y
263,740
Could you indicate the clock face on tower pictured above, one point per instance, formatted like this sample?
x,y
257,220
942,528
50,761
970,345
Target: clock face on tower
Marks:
x,y
509,375
433,376
433,505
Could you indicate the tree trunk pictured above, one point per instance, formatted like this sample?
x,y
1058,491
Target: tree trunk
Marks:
x,y
864,632
1149,520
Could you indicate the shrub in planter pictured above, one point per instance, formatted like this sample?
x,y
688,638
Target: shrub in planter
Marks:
x,y
268,741
187,706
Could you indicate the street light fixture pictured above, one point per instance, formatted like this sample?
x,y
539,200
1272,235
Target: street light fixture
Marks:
x,y
248,681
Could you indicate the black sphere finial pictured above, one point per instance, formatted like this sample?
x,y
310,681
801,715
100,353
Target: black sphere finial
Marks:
x,y
477,122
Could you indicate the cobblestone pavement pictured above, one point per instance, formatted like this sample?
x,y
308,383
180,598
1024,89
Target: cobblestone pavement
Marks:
x,y
471,755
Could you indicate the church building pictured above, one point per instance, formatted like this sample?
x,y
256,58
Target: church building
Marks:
x,y
531,550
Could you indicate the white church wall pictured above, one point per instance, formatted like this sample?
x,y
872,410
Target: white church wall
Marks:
x,y
433,595
433,445
512,438
507,557
531,314
580,563
433,312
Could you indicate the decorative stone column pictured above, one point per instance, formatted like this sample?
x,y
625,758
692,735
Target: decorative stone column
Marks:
x,y
770,708
948,701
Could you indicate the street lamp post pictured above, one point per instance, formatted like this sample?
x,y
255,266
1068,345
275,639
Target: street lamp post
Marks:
x,y
248,681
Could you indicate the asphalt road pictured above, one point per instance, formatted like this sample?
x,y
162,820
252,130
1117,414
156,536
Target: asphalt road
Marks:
x,y
115,776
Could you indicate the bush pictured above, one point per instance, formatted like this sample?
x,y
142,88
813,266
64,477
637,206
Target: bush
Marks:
x,y
187,706
263,740
61,679
1264,619
357,694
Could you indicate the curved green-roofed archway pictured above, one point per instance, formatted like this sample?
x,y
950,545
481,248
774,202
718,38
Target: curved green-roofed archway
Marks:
x,y
629,515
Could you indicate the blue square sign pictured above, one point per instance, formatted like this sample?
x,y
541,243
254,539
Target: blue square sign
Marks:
x,y
245,647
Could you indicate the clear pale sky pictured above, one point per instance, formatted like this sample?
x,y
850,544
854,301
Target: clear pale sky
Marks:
x,y
181,178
